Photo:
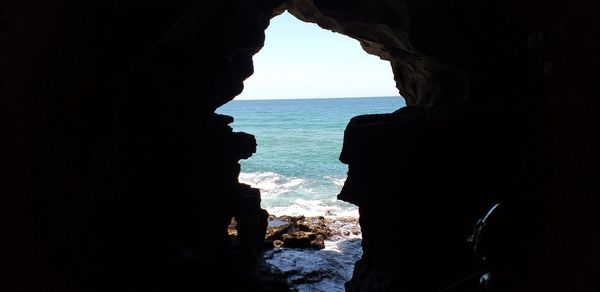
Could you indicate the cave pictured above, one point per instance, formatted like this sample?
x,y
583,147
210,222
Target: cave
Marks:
x,y
117,174
306,86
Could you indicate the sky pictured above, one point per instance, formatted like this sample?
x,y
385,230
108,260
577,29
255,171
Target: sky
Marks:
x,y
302,60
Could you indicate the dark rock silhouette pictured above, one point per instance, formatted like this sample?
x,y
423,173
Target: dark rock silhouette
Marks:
x,y
117,175
425,175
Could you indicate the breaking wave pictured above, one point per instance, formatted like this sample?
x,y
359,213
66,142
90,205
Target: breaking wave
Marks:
x,y
338,181
270,184
283,195
311,270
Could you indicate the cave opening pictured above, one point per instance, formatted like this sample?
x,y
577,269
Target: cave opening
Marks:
x,y
117,173
308,83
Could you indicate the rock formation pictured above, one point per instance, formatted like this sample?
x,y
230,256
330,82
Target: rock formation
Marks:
x,y
308,232
117,175
426,176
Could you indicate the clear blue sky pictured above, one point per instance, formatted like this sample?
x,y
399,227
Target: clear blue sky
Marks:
x,y
302,60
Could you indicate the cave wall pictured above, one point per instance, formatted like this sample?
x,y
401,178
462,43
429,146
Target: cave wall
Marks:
x,y
116,172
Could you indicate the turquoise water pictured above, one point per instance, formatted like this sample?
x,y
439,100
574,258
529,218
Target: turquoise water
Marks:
x,y
296,165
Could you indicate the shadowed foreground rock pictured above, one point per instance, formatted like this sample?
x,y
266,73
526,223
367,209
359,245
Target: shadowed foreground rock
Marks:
x,y
427,176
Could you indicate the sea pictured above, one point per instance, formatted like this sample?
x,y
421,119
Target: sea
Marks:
x,y
297,170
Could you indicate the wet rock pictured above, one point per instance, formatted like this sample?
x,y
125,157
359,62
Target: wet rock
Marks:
x,y
232,228
309,232
302,239
318,242
268,245
277,232
298,239
342,227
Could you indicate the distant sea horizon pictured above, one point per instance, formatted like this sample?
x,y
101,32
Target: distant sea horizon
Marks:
x,y
310,98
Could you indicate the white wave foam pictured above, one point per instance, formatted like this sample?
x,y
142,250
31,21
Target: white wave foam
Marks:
x,y
322,270
299,195
338,181
314,208
270,184
311,270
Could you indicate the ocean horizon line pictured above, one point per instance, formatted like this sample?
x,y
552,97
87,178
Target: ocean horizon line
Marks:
x,y
318,98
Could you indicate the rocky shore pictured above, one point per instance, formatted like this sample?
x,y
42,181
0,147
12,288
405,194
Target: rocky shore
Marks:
x,y
304,232
307,253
